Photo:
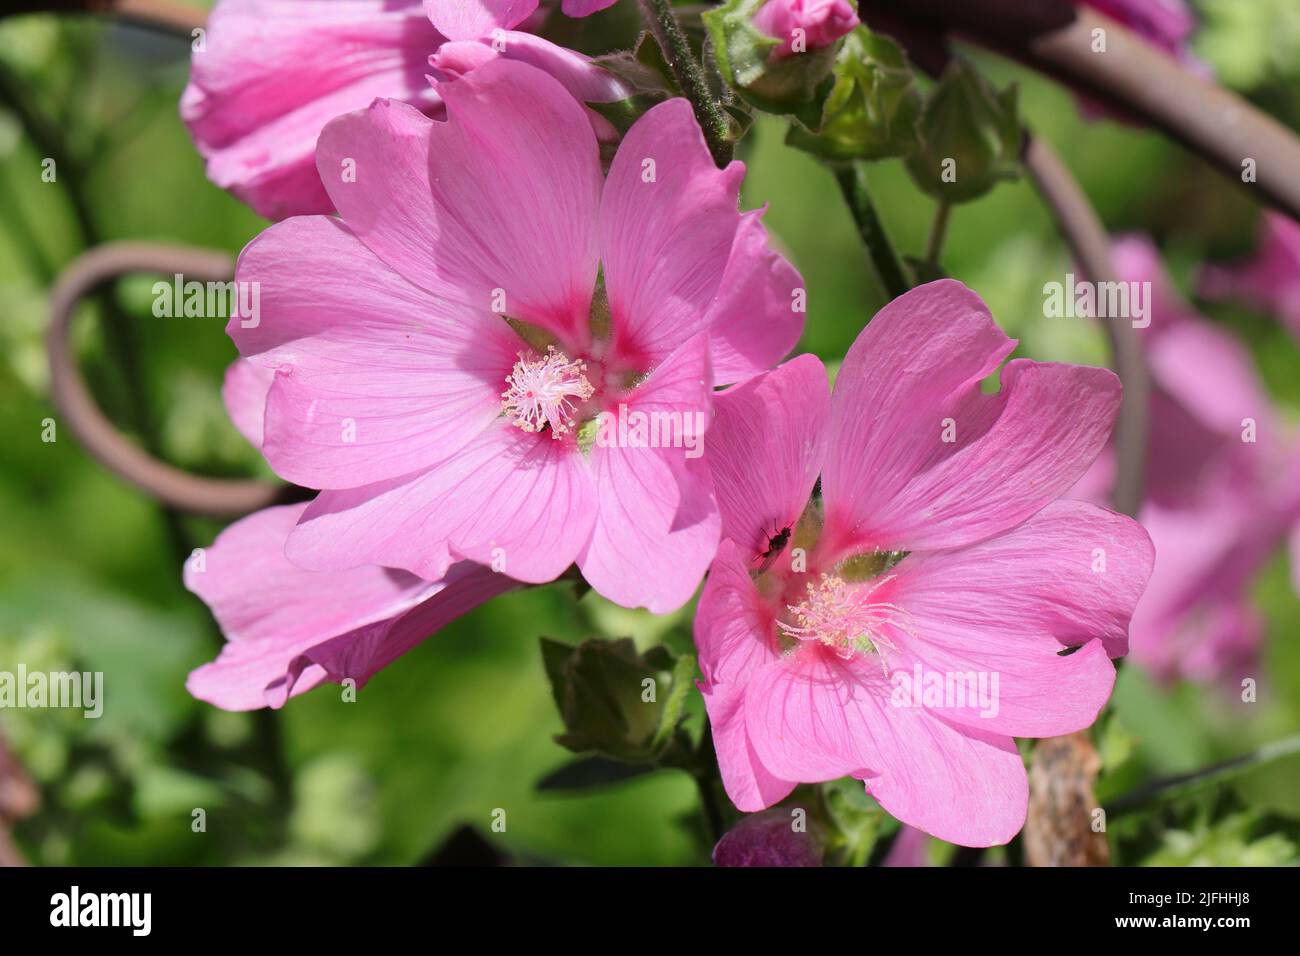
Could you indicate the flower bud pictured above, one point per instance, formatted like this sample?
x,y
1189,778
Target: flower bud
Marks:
x,y
779,54
969,137
805,26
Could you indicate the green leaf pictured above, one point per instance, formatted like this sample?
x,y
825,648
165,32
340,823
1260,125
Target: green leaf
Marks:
x,y
586,773
683,680
645,73
617,702
609,696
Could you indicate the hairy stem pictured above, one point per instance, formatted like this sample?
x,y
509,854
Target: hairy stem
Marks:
x,y
689,75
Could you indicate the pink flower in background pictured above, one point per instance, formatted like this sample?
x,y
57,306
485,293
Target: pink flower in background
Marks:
x,y
937,547
909,849
469,19
1220,487
1269,280
442,352
821,23
1164,24
1167,24
271,73
288,630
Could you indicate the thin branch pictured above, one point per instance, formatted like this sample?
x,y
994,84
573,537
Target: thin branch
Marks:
x,y
852,179
1213,123
1131,75
689,76
938,232
1185,784
171,486
1087,237
165,16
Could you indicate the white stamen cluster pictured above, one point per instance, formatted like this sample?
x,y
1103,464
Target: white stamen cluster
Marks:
x,y
844,617
545,392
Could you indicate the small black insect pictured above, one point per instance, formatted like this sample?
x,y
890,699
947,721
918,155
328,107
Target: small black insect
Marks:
x,y
775,545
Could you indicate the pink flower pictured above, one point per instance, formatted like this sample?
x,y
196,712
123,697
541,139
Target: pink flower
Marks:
x,y
470,19
909,849
805,26
288,630
1164,24
447,368
1270,280
1167,24
270,74
937,551
244,392
1221,487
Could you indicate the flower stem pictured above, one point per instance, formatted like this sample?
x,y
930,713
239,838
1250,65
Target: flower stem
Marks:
x,y
707,779
938,232
852,179
1083,230
1171,788
689,76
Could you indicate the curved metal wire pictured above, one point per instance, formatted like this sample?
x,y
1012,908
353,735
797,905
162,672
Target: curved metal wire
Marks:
x,y
171,486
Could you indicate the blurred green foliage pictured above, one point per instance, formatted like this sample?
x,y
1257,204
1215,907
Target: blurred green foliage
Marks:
x,y
463,726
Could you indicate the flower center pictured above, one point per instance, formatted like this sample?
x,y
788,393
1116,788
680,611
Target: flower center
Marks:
x,y
545,392
845,617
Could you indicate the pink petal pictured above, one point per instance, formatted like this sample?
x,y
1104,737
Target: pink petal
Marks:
x,y
733,634
495,208
1184,357
815,717
273,72
753,320
657,524
364,653
244,393
891,482
271,611
521,503
909,849
252,674
582,8
668,221
469,19
579,74
1007,607
1270,279
765,450
373,378
819,23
